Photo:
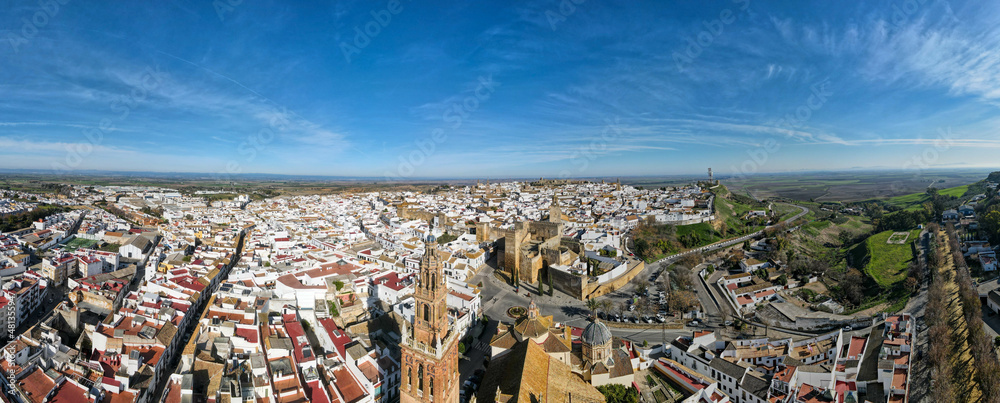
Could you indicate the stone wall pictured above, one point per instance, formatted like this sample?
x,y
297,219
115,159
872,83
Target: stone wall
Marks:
x,y
596,289
568,283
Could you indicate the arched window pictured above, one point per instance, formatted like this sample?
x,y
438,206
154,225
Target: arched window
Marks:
x,y
409,376
432,386
427,312
420,377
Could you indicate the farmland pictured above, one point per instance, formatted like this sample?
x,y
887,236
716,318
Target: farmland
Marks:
x,y
850,186
915,200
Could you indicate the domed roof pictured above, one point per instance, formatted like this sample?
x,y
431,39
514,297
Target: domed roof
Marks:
x,y
596,333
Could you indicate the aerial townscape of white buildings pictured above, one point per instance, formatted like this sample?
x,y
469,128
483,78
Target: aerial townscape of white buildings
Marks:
x,y
149,294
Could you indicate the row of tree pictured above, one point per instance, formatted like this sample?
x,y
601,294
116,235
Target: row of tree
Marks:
x,y
942,329
980,344
940,332
18,221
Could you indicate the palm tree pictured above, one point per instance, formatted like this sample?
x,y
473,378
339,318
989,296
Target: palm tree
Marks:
x,y
592,305
606,305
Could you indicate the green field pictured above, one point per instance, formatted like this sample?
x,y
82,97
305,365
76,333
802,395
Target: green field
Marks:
x,y
914,200
785,211
78,243
886,263
849,186
957,191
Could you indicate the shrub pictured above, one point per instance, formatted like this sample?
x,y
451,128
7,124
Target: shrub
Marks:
x,y
615,393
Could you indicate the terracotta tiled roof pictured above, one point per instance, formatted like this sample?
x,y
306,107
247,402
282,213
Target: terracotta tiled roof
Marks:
x,y
36,385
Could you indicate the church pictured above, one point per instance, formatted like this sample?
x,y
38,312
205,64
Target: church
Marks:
x,y
429,345
574,366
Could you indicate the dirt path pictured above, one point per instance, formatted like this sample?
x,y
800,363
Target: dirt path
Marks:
x,y
964,366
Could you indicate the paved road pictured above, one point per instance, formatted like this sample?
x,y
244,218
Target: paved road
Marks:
x,y
497,296
731,242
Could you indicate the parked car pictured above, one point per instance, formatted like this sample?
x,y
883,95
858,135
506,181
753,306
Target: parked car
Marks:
x,y
848,328
728,323
694,323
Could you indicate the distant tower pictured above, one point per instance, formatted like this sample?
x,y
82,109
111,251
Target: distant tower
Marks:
x,y
711,178
555,214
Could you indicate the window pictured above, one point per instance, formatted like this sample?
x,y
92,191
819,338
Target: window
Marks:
x,y
427,313
420,377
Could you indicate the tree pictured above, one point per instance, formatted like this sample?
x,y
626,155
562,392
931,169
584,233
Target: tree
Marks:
x,y
461,348
682,301
782,279
911,285
691,260
621,308
615,393
592,305
682,278
991,224
641,286
606,305
853,287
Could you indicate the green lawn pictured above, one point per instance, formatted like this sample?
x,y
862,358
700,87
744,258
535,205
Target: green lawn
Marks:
x,y
887,263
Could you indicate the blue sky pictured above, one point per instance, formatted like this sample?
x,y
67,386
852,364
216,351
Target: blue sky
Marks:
x,y
498,89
